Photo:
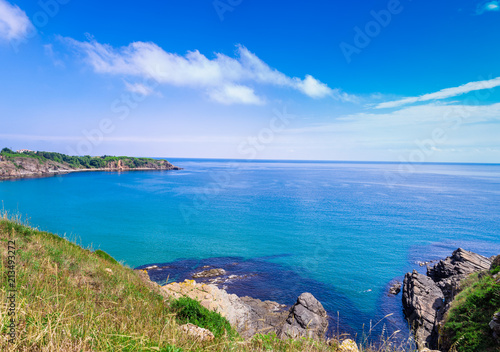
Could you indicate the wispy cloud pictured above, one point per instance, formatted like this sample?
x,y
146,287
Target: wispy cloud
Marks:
x,y
488,6
224,79
139,88
14,23
443,93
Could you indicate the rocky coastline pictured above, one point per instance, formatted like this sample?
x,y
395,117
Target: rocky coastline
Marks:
x,y
22,167
427,298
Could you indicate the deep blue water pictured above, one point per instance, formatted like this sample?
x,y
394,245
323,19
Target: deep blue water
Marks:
x,y
342,231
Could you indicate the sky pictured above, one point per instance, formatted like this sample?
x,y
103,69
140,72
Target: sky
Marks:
x,y
403,81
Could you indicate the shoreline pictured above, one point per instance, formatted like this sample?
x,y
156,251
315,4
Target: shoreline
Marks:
x,y
65,172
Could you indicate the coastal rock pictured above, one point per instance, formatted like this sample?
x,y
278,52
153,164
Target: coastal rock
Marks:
x,y
423,304
449,272
307,318
460,263
495,261
209,273
196,332
395,288
247,315
495,326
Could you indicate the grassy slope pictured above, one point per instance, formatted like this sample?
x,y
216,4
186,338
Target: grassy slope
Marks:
x,y
68,301
466,327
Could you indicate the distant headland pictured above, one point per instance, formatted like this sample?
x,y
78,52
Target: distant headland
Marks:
x,y
26,163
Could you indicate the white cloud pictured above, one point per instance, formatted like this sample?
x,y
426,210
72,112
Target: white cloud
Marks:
x,y
14,24
225,79
444,93
231,94
488,6
139,88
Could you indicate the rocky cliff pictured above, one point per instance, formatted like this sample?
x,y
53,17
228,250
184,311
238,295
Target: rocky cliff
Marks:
x,y
426,299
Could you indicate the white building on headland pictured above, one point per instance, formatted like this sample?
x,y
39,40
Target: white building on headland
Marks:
x,y
24,151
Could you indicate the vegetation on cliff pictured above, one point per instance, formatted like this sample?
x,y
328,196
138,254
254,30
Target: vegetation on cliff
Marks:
x,y
466,328
78,162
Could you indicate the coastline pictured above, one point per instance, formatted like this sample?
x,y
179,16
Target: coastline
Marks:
x,y
65,172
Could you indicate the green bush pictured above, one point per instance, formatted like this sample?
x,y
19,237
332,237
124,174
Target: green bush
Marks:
x,y
191,311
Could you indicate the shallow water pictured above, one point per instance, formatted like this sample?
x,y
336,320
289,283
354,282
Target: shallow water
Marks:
x,y
342,231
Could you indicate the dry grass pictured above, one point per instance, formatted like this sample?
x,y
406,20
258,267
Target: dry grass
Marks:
x,y
68,300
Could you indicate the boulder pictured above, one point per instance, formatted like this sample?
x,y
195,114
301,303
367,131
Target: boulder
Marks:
x,y
395,288
495,326
196,332
209,273
307,318
423,304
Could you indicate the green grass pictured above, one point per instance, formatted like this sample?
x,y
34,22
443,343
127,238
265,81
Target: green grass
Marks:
x,y
466,326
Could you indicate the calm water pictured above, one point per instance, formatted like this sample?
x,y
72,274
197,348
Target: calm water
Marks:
x,y
342,231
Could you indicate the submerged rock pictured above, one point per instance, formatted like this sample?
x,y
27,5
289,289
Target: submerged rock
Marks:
x,y
423,304
307,318
209,273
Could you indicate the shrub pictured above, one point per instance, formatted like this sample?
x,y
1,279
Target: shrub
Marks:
x,y
191,311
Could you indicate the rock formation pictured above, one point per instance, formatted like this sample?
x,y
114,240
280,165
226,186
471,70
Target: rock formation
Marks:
x,y
449,272
427,298
395,288
423,303
250,316
307,318
495,326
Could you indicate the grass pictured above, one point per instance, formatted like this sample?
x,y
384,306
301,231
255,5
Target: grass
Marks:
x,y
73,299
466,326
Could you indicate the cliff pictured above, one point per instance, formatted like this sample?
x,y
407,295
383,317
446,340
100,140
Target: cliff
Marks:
x,y
452,308
40,164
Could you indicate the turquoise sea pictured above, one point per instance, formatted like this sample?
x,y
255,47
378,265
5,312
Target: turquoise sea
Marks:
x,y
340,230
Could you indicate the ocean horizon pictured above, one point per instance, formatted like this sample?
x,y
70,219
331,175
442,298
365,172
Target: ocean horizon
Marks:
x,y
340,230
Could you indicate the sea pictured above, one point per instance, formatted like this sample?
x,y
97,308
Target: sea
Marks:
x,y
343,231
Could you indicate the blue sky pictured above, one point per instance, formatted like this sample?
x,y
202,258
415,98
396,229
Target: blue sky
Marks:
x,y
404,81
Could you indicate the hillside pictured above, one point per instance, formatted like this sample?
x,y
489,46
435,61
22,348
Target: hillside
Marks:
x,y
38,164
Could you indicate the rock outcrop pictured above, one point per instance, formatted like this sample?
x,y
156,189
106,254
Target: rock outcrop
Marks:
x,y
495,326
250,316
307,318
423,303
196,332
427,298
449,272
395,288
